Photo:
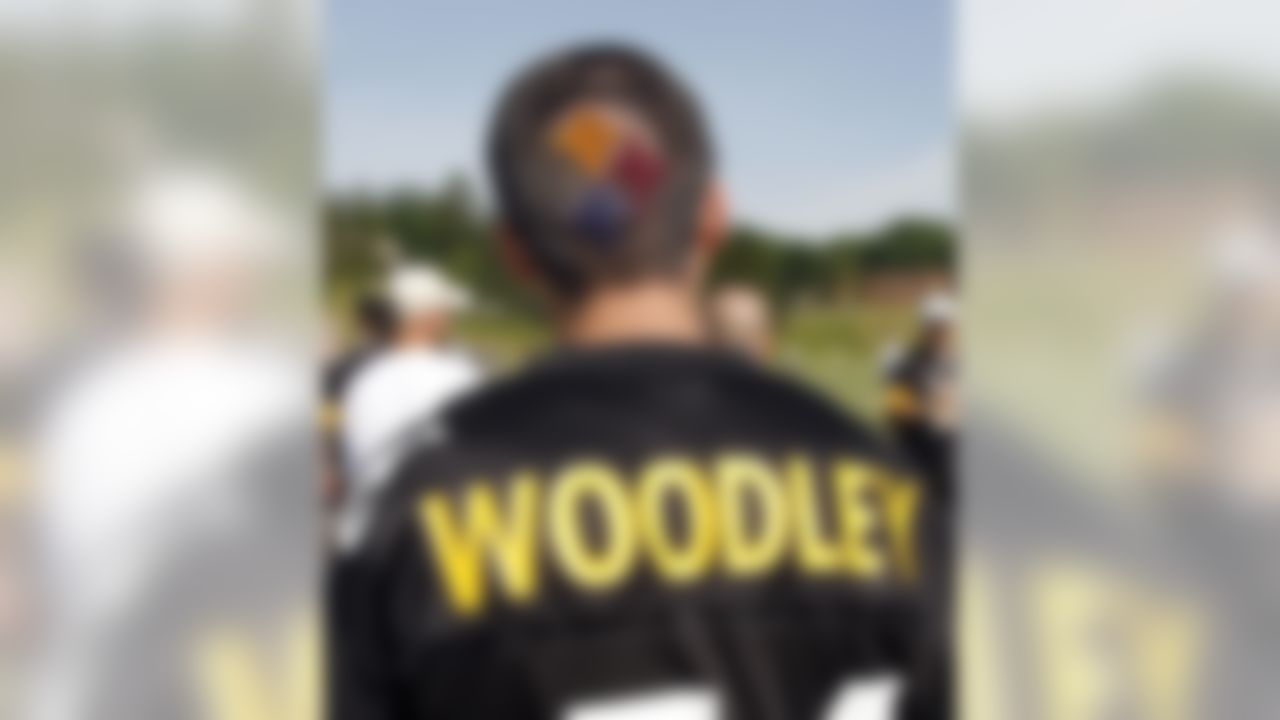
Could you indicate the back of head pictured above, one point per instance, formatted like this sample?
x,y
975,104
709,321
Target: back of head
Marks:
x,y
375,317
601,163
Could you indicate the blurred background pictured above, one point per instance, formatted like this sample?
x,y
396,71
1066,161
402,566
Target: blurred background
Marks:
x,y
157,276
1120,470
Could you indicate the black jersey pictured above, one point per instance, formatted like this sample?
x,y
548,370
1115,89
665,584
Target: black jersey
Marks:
x,y
613,521
911,387
335,379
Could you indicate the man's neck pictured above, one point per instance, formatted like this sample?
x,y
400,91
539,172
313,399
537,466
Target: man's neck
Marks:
x,y
649,312
412,342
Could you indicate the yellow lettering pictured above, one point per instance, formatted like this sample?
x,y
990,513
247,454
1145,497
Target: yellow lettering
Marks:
x,y
742,478
601,568
857,521
902,512
742,514
459,548
678,478
817,553
1071,603
242,679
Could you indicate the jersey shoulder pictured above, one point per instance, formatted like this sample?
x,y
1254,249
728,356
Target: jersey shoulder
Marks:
x,y
662,388
627,404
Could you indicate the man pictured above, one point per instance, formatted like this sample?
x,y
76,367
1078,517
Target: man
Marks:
x,y
406,384
743,322
636,515
174,468
921,401
375,325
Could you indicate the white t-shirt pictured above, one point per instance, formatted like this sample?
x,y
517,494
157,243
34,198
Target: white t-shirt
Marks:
x,y
391,397
142,455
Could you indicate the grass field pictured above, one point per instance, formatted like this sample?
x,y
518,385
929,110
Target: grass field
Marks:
x,y
833,348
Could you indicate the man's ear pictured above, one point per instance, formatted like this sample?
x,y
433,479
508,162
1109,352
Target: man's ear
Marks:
x,y
713,221
515,257
520,264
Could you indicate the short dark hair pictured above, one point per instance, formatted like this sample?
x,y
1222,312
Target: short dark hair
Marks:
x,y
375,317
627,205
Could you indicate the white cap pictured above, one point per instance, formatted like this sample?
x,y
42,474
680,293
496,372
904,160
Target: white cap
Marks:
x,y
938,307
418,288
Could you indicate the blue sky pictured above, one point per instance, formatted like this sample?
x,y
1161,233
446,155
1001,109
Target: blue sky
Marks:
x,y
826,114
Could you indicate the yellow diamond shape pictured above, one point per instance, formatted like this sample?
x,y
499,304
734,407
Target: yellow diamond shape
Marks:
x,y
587,136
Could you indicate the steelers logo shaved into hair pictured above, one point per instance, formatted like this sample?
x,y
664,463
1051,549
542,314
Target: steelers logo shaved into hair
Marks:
x,y
616,163
601,164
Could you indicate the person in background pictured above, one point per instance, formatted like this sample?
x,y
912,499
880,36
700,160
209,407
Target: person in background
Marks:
x,y
402,386
374,326
921,403
743,322
177,447
1206,445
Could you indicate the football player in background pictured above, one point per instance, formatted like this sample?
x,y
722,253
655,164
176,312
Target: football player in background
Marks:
x,y
922,402
374,324
408,382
